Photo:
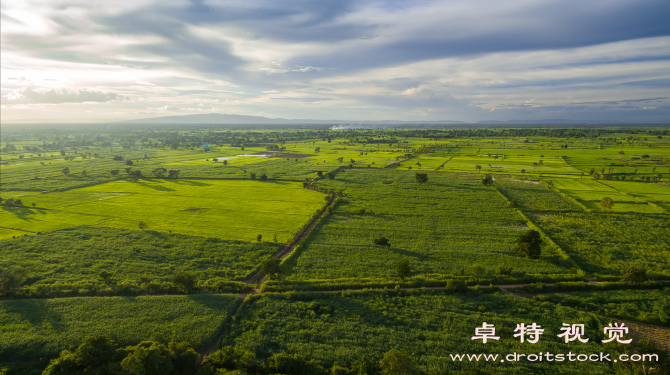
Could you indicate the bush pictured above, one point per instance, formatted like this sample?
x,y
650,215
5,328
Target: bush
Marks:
x,y
383,242
530,244
456,285
633,274
186,281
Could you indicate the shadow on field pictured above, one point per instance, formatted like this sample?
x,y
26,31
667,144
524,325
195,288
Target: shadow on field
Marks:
x,y
191,182
35,311
410,253
278,182
23,213
155,187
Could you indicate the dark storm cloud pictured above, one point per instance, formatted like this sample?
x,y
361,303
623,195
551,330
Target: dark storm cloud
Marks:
x,y
545,25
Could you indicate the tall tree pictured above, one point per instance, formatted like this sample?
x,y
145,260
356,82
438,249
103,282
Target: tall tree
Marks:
x,y
529,244
606,204
421,177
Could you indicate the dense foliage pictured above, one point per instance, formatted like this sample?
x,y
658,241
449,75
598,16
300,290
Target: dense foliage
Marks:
x,y
35,328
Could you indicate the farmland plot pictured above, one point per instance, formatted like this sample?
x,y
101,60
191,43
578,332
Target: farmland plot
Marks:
x,y
234,210
431,325
33,329
449,223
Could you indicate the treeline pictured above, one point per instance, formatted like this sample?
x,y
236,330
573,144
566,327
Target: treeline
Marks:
x,y
100,355
128,139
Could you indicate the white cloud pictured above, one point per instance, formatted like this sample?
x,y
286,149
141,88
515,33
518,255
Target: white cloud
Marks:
x,y
41,96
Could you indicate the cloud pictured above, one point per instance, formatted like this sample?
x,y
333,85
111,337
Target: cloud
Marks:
x,y
31,96
304,100
390,59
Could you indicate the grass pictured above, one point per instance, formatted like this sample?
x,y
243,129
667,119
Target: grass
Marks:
x,y
430,325
532,195
603,242
450,223
234,210
647,306
79,254
33,329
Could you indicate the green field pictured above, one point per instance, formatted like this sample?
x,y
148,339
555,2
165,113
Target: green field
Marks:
x,y
648,306
234,210
452,222
33,329
341,328
532,195
603,242
80,254
91,188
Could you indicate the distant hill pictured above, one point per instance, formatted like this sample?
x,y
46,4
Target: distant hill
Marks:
x,y
219,118
548,122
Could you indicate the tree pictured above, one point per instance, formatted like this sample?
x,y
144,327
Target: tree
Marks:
x,y
529,244
456,285
397,362
186,281
252,175
225,162
487,180
106,276
114,172
633,274
11,202
148,357
421,177
66,171
142,225
129,162
403,269
271,267
364,366
512,204
319,173
259,237
330,175
264,177
606,204
159,172
173,173
100,355
383,242
11,279
504,270
135,174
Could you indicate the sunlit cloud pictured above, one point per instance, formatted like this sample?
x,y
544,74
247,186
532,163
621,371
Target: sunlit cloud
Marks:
x,y
365,60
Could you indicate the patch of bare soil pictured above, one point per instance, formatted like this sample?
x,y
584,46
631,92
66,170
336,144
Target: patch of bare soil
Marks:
x,y
658,334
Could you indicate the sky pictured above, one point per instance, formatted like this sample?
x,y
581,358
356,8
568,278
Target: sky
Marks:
x,y
421,60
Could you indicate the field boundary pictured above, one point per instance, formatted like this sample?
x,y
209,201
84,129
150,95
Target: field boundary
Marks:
x,y
534,226
286,250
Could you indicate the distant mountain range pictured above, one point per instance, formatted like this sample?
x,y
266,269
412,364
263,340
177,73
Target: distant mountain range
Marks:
x,y
225,119
219,118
